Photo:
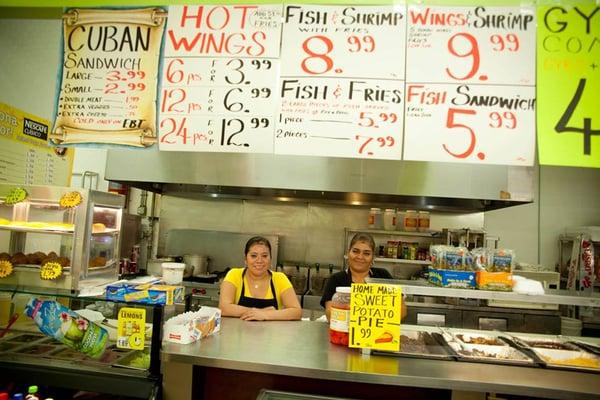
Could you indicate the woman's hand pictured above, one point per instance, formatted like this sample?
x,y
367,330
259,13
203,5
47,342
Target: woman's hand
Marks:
x,y
256,314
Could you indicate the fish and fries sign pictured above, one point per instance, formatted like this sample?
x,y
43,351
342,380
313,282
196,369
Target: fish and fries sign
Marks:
x,y
375,313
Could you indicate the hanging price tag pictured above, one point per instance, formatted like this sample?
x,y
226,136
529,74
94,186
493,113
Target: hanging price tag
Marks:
x,y
568,67
6,268
51,270
131,328
475,101
70,200
15,196
375,313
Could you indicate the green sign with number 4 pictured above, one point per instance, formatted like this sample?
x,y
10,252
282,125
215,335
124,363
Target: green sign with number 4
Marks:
x,y
568,85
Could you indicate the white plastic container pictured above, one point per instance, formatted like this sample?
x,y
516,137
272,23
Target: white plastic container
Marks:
x,y
173,273
375,218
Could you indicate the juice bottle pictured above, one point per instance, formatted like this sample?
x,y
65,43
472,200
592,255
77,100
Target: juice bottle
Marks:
x,y
32,393
340,316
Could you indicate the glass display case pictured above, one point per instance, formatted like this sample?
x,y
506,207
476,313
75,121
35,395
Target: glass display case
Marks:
x,y
58,360
58,238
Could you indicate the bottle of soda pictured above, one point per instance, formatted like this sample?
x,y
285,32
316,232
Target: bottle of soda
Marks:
x,y
32,393
66,326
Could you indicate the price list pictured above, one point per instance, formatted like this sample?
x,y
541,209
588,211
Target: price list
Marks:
x,y
342,81
568,68
219,82
109,77
475,100
25,156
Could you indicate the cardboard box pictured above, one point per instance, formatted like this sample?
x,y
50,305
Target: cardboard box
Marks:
x,y
501,281
145,294
452,279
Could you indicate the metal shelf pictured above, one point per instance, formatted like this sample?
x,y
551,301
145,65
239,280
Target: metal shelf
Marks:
x,y
552,296
26,229
401,261
430,234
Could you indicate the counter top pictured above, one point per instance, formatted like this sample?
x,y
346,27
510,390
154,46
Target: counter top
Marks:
x,y
302,349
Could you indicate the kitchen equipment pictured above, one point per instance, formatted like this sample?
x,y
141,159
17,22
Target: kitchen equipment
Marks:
x,y
173,273
196,264
154,266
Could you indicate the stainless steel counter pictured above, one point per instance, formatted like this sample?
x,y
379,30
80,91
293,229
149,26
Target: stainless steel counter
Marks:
x,y
302,349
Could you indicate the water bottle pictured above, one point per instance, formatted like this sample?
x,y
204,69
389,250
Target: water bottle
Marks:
x,y
66,326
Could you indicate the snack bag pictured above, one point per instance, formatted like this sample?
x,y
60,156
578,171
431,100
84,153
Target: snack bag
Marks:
x,y
503,260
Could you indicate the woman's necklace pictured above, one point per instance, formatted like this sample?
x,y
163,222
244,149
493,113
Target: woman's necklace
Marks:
x,y
256,284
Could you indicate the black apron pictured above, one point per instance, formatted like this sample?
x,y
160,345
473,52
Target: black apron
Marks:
x,y
251,302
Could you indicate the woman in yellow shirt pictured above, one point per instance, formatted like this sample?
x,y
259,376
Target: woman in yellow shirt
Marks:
x,y
255,292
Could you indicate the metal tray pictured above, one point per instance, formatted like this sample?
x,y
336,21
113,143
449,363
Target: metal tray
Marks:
x,y
431,343
566,359
544,343
124,362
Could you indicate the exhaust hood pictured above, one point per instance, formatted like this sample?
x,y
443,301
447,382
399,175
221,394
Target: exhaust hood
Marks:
x,y
447,187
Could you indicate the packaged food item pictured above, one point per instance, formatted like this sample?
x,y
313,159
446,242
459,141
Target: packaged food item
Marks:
x,y
64,325
503,260
456,259
389,219
481,258
375,218
423,218
339,319
411,220
193,325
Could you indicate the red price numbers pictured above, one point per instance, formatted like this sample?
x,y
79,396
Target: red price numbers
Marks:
x,y
505,119
368,119
114,88
171,99
318,49
117,75
368,144
176,132
464,45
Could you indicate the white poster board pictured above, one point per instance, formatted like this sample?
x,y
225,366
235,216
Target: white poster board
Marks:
x,y
219,80
470,85
342,81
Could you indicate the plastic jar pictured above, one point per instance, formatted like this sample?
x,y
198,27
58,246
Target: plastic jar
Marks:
x,y
411,220
375,219
423,221
389,219
339,319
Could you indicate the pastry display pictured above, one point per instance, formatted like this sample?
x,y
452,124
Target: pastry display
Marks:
x,y
18,258
97,262
98,227
5,256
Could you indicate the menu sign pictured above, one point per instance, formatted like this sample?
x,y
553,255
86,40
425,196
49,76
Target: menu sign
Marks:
x,y
375,316
342,81
219,83
470,84
568,68
25,156
109,77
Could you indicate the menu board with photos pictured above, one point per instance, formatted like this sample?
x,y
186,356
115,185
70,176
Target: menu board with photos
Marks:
x,y
109,77
342,81
470,84
25,156
219,78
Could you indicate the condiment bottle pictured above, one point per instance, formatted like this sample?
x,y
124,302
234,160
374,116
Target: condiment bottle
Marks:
x,y
340,316
375,218
389,219
423,221
411,220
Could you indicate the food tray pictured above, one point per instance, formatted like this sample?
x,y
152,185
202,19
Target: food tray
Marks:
x,y
477,339
66,353
420,344
499,353
566,359
126,361
544,343
26,338
35,350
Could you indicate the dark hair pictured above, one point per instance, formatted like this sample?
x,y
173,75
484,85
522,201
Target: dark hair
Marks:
x,y
363,237
257,240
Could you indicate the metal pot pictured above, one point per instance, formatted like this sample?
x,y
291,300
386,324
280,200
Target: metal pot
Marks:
x,y
196,264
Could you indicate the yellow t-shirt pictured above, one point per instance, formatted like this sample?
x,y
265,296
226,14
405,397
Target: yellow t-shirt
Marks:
x,y
280,282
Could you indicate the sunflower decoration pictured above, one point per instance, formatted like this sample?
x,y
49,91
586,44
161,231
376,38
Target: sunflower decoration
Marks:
x,y
6,268
51,270
16,195
70,200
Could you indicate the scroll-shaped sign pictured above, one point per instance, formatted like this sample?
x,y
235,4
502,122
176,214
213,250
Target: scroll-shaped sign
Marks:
x,y
568,65
109,77
470,85
375,313
219,84
342,81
